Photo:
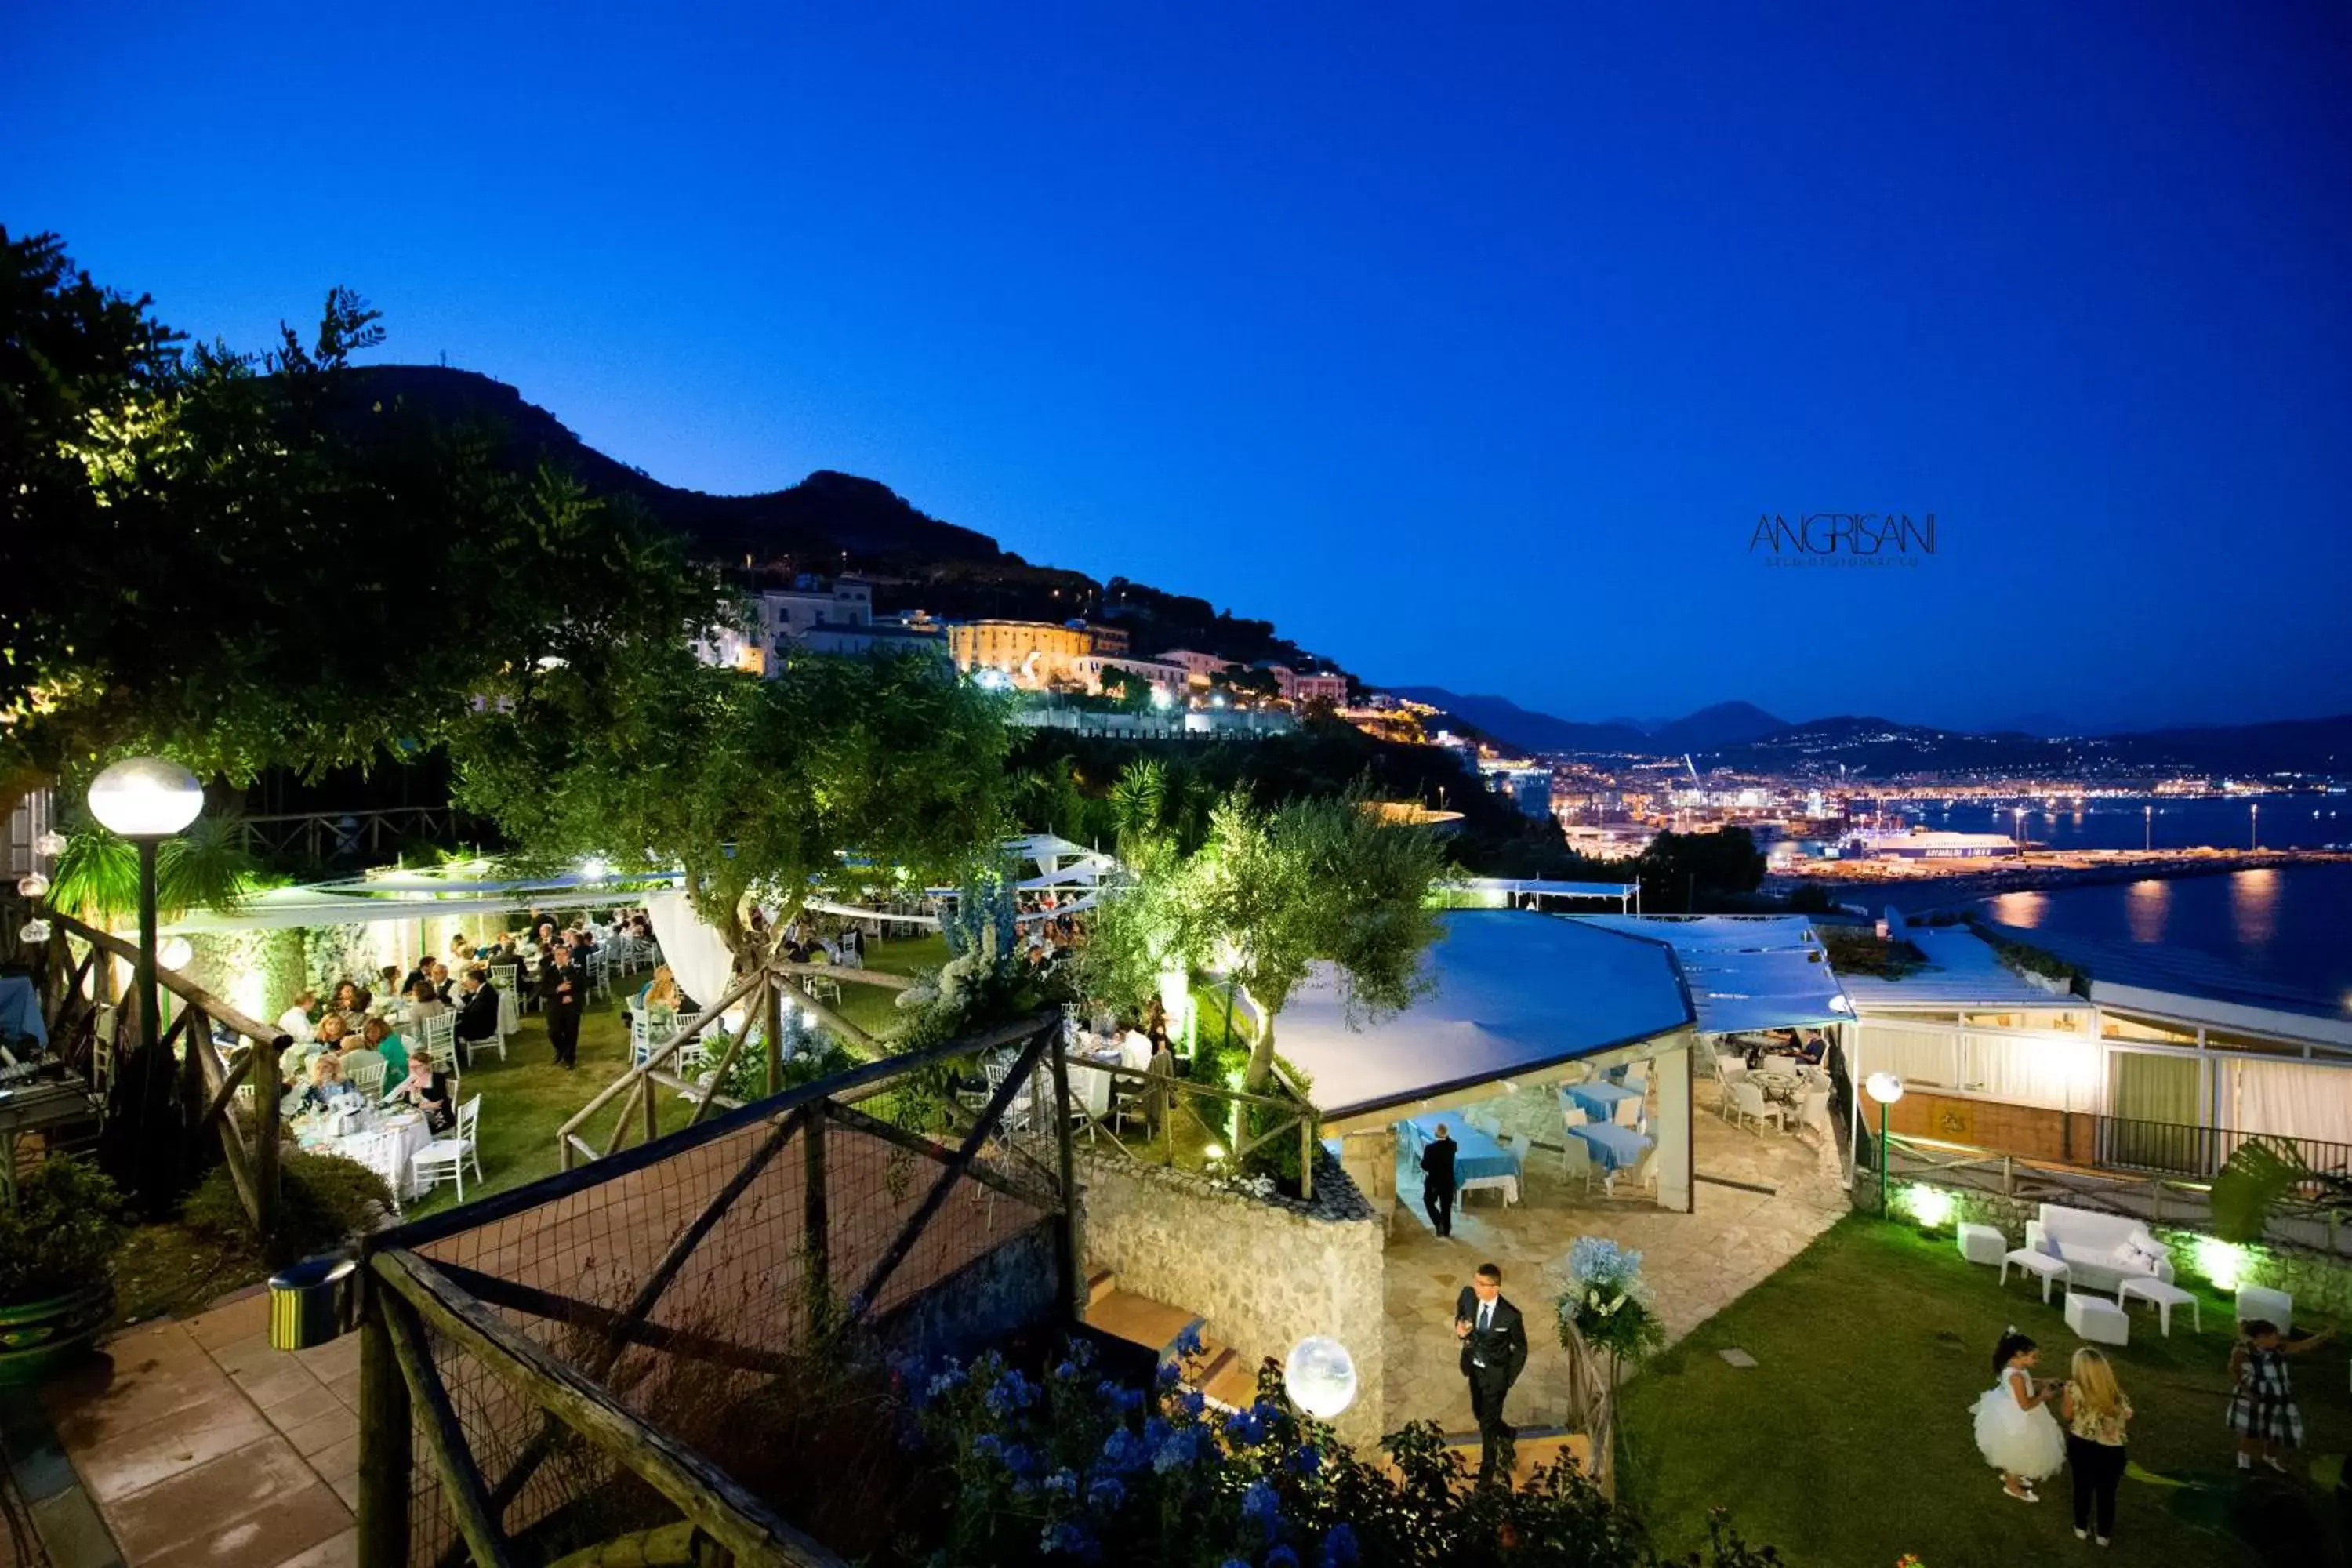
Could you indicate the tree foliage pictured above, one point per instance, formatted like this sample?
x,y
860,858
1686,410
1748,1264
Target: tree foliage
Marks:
x,y
860,774
1679,870
241,560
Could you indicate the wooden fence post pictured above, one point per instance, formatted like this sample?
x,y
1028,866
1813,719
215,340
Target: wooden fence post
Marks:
x,y
387,1447
817,1225
1065,1234
263,1075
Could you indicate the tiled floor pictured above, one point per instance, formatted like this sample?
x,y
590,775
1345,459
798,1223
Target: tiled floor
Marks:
x,y
199,1444
1696,1264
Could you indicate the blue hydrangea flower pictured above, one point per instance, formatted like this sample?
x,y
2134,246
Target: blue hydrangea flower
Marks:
x,y
944,1382
1306,1460
1340,1547
1063,1483
1155,1432
1261,1505
1107,1495
1189,1341
1181,1449
1123,1451
1245,1428
1282,1557
1008,1394
1190,1402
1021,1461
1169,1373
1070,1539
988,1446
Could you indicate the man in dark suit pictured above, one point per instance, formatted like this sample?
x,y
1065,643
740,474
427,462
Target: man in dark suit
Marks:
x,y
478,1008
1437,1181
563,991
1494,1352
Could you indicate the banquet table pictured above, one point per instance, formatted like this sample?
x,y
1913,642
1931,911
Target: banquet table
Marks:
x,y
1598,1101
409,1136
1614,1148
1089,1085
1478,1160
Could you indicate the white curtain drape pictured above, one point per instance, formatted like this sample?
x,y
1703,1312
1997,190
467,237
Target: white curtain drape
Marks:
x,y
2285,1099
696,953
2057,1072
1926,1056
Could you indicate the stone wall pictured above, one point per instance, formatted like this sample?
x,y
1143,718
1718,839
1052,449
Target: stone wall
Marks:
x,y
1009,1287
1262,1273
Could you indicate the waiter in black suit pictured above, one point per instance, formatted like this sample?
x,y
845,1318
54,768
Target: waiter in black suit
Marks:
x,y
1494,1352
563,991
1437,1181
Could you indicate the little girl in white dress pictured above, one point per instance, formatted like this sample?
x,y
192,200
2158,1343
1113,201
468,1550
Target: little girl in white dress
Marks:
x,y
2015,1431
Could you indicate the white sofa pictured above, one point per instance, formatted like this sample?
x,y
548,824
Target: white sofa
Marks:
x,y
2091,1245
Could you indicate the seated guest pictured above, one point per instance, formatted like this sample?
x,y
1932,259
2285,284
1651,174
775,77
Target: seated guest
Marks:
x,y
388,981
659,998
462,952
1135,1049
408,981
359,1050
329,1035
378,1036
437,974
317,1087
429,1092
1812,1048
295,1021
350,1002
424,1002
478,1008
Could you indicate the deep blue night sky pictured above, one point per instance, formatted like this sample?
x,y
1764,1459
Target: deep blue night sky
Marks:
x,y
1468,347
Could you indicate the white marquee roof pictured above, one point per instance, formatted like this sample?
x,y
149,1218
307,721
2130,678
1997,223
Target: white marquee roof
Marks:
x,y
1746,973
1517,994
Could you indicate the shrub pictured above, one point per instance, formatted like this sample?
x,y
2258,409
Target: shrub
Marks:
x,y
323,1201
66,1225
1073,1466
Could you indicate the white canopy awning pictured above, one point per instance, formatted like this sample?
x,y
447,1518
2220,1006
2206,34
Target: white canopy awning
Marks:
x,y
1746,974
1517,994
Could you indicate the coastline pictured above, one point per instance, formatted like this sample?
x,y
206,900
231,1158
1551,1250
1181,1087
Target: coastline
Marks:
x,y
1968,880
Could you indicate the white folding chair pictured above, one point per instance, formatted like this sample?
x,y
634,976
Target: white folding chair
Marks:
x,y
1813,1110
497,1042
367,1077
1645,1174
439,1034
1576,1161
1628,1112
1572,1114
445,1159
600,971
507,979
380,1153
1748,1103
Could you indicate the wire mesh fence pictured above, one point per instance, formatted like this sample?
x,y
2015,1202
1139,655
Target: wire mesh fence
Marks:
x,y
681,1285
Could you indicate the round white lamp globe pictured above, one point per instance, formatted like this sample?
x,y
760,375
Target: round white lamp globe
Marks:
x,y
173,952
1320,1376
1884,1087
51,844
32,885
146,797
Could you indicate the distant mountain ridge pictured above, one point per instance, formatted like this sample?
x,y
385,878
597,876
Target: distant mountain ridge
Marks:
x,y
1743,737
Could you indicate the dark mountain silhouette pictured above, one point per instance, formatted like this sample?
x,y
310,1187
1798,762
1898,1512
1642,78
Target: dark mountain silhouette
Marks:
x,y
809,526
1508,722
1724,724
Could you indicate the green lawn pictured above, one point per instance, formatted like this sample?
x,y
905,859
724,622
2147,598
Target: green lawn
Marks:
x,y
1850,1443
526,1097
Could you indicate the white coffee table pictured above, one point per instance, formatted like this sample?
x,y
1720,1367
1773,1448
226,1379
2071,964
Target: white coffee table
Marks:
x,y
1981,1243
2039,1264
2166,1297
2097,1319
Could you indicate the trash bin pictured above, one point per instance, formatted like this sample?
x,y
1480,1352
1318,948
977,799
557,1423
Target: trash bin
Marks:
x,y
312,1302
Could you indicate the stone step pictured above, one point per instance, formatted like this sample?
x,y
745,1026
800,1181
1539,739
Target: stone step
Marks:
x,y
1139,1319
1228,1378
1099,1283
1534,1448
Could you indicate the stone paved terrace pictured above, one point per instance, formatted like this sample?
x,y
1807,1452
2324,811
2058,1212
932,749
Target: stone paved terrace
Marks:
x,y
1696,1264
200,1445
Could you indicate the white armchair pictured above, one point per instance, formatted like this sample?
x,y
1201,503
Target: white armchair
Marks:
x,y
1748,1104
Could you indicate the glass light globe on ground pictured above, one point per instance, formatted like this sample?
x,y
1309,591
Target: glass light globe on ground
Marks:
x,y
1320,1376
174,952
1884,1087
146,797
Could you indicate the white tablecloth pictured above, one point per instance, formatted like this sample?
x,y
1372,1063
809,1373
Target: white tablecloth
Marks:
x,y
409,1136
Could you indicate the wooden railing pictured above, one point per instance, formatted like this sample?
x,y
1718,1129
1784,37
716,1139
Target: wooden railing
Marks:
x,y
426,1313
74,996
1160,1097
761,995
322,834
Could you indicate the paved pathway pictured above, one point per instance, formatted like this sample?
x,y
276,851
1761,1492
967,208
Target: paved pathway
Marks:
x,y
200,1445
1696,1264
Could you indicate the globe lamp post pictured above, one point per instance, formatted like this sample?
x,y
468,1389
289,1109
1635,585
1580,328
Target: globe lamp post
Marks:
x,y
1320,1376
1885,1088
146,800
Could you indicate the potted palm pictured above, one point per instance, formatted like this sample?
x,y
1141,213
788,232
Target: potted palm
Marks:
x,y
55,1246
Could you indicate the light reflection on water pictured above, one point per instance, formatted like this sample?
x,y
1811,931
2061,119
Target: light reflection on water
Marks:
x,y
2146,904
2253,905
2024,909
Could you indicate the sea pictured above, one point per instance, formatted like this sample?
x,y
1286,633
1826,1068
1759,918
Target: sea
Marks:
x,y
2292,925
